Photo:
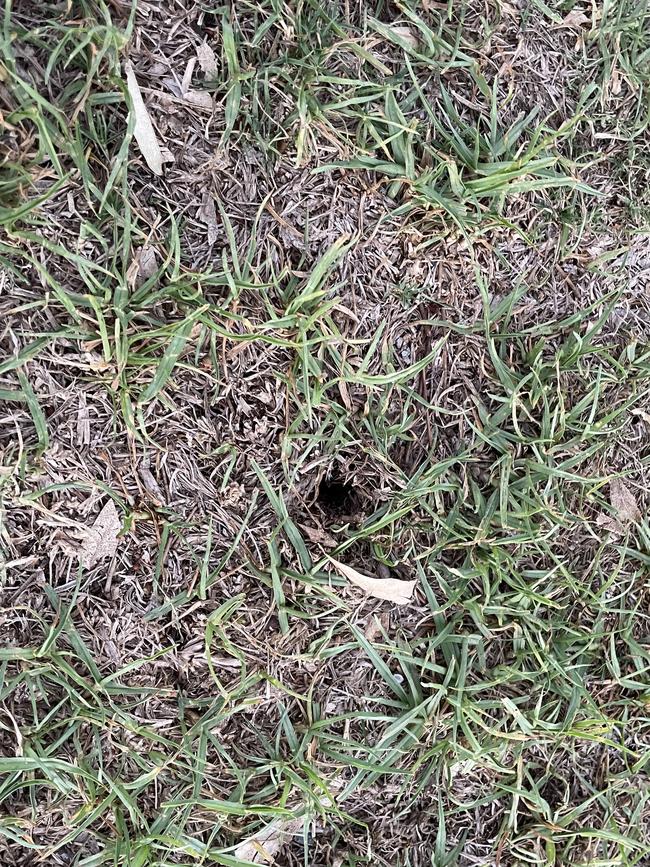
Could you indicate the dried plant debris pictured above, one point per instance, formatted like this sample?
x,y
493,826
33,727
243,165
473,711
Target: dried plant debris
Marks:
x,y
100,541
263,846
207,60
208,214
393,589
388,303
576,18
625,508
145,263
143,131
623,501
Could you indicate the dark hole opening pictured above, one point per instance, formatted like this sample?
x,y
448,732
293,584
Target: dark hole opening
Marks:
x,y
336,496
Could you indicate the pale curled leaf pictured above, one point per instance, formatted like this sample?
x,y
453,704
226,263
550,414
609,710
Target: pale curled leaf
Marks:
x,y
144,133
100,540
263,846
623,501
392,589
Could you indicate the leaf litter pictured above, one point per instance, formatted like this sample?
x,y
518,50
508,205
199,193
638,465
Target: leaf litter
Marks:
x,y
144,132
623,502
625,507
207,60
266,843
101,540
207,214
391,589
204,410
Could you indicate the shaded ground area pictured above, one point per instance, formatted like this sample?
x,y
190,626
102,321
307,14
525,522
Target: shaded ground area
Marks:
x,y
388,304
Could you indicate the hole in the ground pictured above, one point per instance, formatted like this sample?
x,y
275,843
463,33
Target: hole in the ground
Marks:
x,y
336,496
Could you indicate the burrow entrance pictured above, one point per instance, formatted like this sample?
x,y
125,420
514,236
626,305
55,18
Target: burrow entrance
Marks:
x,y
337,499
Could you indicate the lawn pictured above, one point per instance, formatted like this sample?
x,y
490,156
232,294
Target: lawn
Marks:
x,y
325,433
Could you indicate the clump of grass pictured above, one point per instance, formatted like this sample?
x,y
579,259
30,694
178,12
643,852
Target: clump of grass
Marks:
x,y
215,684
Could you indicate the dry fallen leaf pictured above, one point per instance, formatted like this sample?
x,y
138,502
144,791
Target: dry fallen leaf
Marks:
x,y
144,133
376,626
187,75
199,99
151,485
392,589
263,846
318,536
147,263
183,90
402,31
623,501
208,214
575,18
207,60
83,421
606,522
100,540
95,362
143,265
